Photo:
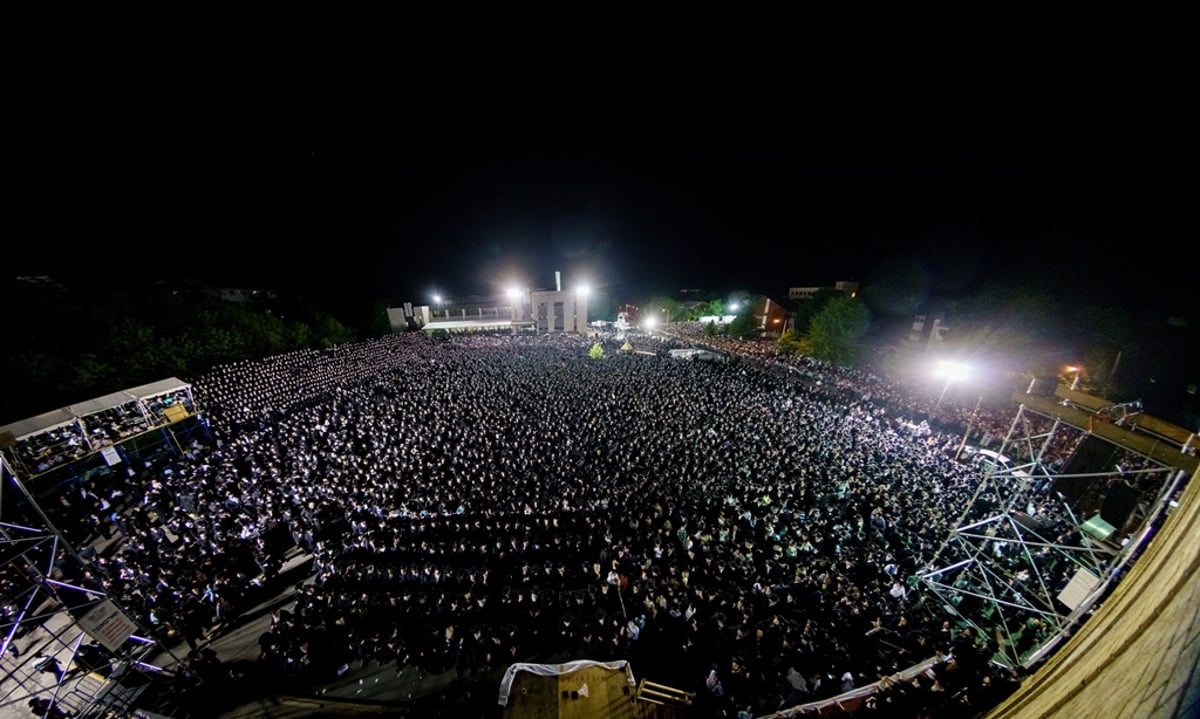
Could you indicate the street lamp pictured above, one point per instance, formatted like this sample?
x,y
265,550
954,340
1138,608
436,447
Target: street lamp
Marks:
x,y
952,372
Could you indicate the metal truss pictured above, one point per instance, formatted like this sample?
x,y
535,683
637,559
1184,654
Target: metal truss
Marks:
x,y
1023,566
61,637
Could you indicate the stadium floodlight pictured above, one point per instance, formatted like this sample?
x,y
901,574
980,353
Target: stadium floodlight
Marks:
x,y
951,371
516,298
733,306
650,322
1075,370
583,290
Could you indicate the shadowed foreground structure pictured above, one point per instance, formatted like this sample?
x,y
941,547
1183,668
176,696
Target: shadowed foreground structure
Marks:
x,y
1137,656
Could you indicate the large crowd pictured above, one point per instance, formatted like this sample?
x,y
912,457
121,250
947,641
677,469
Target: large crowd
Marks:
x,y
471,502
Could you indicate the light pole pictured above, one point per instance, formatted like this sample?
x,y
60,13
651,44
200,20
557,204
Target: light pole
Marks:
x,y
514,296
582,292
1075,380
967,431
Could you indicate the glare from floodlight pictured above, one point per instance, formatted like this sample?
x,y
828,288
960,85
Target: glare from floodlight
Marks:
x,y
951,371
514,293
650,321
437,299
583,290
734,306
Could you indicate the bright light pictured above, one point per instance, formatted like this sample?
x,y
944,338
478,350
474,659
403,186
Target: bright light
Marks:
x,y
951,371
650,321
583,290
734,306
514,293
437,299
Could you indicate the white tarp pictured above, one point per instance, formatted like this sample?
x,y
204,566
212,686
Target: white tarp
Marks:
x,y
99,404
555,670
41,423
69,415
154,389
694,353
481,324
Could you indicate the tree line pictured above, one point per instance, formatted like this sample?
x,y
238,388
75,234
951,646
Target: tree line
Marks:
x,y
66,342
1125,352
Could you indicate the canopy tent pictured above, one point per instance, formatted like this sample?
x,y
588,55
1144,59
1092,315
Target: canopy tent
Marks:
x,y
72,414
597,672
99,404
464,325
695,353
36,425
161,387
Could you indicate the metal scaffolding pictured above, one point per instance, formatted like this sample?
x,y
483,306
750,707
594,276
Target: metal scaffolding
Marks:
x,y
62,638
1029,558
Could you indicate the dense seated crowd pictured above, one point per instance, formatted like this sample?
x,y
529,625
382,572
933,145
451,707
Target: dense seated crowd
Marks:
x,y
486,499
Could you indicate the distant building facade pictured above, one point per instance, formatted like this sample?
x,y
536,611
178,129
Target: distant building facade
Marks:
x,y
773,317
547,311
559,311
799,294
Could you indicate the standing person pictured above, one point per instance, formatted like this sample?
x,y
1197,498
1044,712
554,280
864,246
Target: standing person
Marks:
x,y
49,664
43,707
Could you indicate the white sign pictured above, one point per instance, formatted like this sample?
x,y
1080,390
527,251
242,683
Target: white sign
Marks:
x,y
111,458
108,625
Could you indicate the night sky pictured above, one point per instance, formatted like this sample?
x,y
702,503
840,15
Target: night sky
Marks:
x,y
1077,201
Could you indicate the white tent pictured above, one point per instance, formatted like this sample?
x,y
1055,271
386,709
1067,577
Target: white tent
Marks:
x,y
161,387
72,414
99,404
36,425
462,325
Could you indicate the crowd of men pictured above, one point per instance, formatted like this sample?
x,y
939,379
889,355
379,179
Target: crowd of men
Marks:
x,y
481,500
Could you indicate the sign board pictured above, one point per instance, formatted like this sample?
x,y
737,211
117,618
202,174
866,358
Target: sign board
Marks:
x,y
1079,588
107,625
111,458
